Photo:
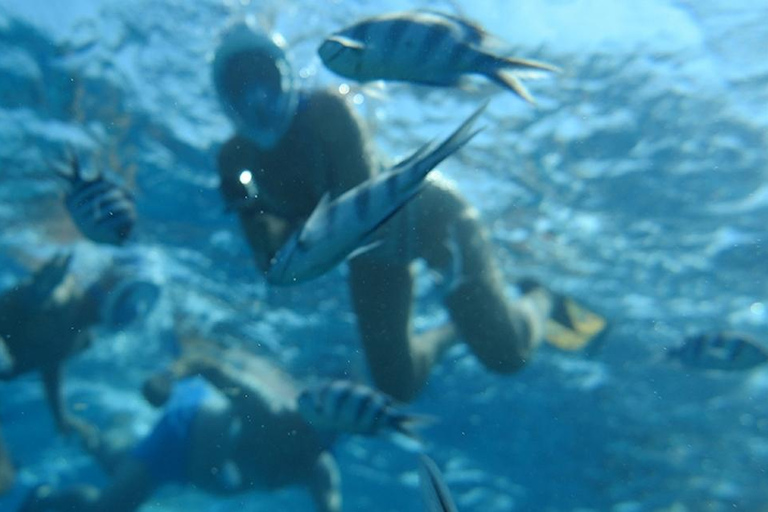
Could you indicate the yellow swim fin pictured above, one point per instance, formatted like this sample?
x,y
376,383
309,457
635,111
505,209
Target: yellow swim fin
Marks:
x,y
573,326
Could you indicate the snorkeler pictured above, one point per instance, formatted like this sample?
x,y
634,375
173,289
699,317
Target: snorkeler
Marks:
x,y
43,321
47,318
229,425
294,146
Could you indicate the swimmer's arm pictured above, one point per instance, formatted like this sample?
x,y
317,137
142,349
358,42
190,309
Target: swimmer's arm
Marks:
x,y
229,381
264,232
345,142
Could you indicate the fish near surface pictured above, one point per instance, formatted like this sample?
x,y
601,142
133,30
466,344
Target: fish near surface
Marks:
x,y
341,228
728,351
345,406
424,47
103,211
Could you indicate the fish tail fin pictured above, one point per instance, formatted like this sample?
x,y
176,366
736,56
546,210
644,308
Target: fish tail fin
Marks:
x,y
453,143
528,65
510,71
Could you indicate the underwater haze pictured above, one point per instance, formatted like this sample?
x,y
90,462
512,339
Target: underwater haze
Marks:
x,y
638,184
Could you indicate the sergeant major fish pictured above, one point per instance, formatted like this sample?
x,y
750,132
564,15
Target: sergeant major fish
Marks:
x,y
102,210
356,409
343,227
434,492
730,351
424,47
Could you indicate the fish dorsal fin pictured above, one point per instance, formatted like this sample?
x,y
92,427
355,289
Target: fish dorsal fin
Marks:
x,y
415,156
348,42
312,223
474,33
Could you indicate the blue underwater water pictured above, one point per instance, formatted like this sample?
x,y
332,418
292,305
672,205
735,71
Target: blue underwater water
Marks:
x,y
639,184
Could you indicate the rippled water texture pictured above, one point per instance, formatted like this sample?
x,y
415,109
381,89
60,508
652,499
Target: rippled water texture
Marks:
x,y
639,184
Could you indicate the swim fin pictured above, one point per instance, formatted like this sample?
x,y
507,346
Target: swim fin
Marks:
x,y
572,326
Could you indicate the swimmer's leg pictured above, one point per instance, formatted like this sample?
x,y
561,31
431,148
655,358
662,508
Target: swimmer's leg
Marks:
x,y
382,294
502,334
48,278
51,375
325,484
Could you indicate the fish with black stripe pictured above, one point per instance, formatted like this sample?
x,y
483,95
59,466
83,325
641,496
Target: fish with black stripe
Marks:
x,y
728,351
102,210
434,492
344,406
344,227
425,47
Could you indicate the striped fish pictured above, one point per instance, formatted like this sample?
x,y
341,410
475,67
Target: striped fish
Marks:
x,y
102,210
729,351
424,47
344,406
343,228
434,492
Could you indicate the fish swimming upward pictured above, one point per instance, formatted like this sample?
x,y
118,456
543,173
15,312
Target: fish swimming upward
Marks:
x,y
103,211
344,227
344,406
729,351
424,47
434,492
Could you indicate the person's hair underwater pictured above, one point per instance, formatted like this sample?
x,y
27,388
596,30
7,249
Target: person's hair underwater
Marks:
x,y
255,83
157,389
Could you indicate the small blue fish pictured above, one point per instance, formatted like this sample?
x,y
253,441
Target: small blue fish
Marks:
x,y
343,228
434,492
356,409
424,47
102,210
729,351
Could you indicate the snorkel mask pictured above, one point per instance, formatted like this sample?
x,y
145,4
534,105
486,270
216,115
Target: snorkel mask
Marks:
x,y
255,83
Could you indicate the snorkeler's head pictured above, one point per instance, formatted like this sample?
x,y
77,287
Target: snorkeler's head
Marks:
x,y
255,83
157,389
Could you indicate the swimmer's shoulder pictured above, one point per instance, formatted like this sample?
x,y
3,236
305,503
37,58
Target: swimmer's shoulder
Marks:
x,y
326,105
